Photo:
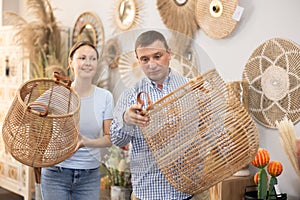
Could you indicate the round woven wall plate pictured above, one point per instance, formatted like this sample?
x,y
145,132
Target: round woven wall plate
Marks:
x,y
178,15
273,74
215,17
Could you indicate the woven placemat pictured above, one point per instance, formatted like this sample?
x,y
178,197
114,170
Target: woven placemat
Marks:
x,y
273,74
215,17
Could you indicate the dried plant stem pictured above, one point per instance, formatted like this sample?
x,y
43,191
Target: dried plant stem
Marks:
x,y
288,141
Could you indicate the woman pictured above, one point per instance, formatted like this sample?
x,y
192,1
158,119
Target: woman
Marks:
x,y
78,177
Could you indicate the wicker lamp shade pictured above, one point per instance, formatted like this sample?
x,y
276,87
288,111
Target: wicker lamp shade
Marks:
x,y
199,134
40,128
215,17
273,72
240,89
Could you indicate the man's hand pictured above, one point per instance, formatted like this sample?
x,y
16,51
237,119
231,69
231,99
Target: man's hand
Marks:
x,y
132,116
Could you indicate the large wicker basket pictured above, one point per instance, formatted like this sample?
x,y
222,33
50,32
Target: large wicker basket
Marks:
x,y
41,126
199,134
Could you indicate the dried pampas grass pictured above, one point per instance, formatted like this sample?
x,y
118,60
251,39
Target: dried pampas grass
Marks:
x,y
288,141
39,34
12,19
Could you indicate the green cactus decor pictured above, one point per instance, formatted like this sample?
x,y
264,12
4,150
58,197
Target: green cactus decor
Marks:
x,y
274,169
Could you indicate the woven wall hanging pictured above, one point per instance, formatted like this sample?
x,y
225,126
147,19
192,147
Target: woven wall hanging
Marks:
x,y
178,15
41,126
199,134
126,15
273,74
112,52
215,17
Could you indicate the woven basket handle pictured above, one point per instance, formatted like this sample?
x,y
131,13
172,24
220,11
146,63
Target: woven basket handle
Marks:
x,y
60,78
41,114
139,100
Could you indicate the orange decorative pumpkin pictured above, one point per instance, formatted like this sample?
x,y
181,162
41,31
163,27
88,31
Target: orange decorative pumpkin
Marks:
x,y
261,159
274,168
255,178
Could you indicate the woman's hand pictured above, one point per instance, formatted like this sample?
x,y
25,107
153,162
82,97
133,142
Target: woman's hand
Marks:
x,y
132,116
81,141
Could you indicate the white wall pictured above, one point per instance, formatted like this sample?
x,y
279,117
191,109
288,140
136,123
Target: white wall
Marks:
x,y
262,20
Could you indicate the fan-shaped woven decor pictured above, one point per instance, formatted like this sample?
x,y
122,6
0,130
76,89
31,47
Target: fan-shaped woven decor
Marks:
x,y
215,17
273,74
178,15
131,72
199,134
129,69
126,15
41,126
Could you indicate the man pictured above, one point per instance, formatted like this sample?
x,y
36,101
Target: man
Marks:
x,y
154,55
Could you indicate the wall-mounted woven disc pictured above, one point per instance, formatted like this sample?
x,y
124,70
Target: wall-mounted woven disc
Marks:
x,y
215,17
178,15
273,74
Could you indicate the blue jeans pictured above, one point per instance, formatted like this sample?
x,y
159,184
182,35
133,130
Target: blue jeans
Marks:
x,y
64,184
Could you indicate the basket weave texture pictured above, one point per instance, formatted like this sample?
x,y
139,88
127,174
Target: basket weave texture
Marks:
x,y
40,128
216,27
273,72
199,134
241,90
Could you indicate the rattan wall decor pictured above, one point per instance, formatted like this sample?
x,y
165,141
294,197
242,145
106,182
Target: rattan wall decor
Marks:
x,y
178,15
215,17
199,134
41,126
112,52
126,15
88,26
273,72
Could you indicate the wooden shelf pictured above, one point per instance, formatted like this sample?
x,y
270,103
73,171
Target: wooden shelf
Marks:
x,y
232,188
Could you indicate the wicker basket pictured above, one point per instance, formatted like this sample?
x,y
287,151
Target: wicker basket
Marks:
x,y
199,134
241,90
40,128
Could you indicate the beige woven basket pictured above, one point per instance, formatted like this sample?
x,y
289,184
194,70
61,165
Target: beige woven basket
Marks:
x,y
199,134
41,126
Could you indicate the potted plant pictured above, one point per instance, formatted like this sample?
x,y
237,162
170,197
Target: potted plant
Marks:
x,y
118,178
267,189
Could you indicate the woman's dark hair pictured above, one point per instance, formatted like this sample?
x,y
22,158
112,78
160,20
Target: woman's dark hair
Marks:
x,y
148,38
79,44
